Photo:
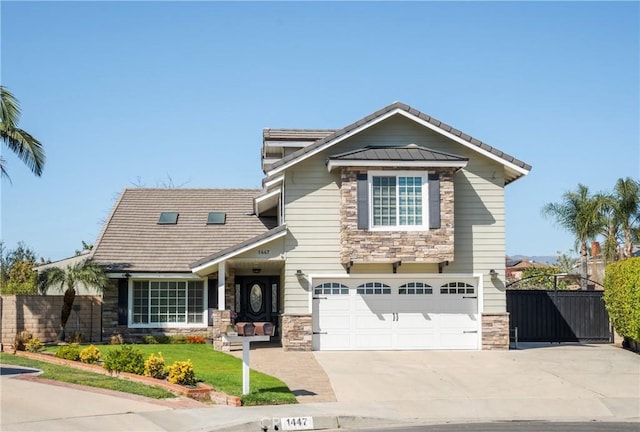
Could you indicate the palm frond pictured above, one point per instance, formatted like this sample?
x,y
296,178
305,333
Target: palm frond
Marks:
x,y
9,108
25,146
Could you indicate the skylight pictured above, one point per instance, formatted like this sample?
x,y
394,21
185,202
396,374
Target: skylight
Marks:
x,y
216,218
168,218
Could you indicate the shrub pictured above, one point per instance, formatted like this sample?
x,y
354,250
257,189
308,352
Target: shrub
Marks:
x,y
75,337
196,339
34,345
19,342
124,359
116,339
149,339
181,372
622,296
69,352
178,339
90,355
155,367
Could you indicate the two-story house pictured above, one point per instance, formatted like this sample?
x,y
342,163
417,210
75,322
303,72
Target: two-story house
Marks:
x,y
386,234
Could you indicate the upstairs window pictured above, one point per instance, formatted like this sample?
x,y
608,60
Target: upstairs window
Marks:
x,y
398,200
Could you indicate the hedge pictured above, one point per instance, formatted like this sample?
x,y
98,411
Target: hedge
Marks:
x,y
622,296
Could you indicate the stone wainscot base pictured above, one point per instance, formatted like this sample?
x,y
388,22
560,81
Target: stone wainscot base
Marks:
x,y
297,332
495,331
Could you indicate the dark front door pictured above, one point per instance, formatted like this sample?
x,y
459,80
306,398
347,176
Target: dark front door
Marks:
x,y
258,299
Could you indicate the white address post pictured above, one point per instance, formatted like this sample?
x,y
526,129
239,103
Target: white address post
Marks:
x,y
246,348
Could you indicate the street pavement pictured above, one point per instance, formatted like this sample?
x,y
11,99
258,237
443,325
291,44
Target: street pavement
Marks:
x,y
561,383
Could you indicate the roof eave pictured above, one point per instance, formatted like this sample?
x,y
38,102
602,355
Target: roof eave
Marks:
x,y
208,265
331,164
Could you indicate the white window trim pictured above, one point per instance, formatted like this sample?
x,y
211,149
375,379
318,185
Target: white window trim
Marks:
x,y
205,302
425,199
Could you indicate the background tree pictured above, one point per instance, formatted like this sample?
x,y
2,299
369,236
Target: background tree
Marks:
x,y
85,272
581,214
565,262
23,144
17,274
622,212
626,194
86,247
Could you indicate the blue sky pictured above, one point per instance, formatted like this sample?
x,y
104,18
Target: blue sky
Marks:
x,y
125,93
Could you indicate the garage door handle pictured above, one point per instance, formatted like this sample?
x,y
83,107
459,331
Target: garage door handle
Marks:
x,y
319,332
475,297
470,331
319,298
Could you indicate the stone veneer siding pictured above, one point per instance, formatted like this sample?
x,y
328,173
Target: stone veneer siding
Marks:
x,y
297,332
221,319
495,331
434,245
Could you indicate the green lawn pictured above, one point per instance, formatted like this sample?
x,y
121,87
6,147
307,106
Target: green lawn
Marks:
x,y
75,376
220,370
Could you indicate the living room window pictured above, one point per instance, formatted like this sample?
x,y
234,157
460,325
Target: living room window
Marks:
x,y
398,200
174,303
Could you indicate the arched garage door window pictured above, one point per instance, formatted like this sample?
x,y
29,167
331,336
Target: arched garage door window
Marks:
x,y
374,288
331,288
415,288
457,288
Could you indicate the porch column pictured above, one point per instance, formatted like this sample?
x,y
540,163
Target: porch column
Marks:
x,y
221,285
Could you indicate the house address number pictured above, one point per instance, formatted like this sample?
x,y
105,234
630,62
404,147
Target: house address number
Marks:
x,y
264,251
296,423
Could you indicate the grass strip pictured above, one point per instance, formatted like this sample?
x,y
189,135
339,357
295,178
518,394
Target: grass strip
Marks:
x,y
75,376
220,370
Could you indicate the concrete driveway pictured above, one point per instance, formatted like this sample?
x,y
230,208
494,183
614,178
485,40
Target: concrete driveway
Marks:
x,y
548,381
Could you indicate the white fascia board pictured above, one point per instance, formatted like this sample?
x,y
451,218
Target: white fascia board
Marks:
x,y
409,164
275,181
464,143
266,199
333,142
127,275
218,260
276,143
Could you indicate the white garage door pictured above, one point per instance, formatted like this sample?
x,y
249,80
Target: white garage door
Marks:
x,y
387,314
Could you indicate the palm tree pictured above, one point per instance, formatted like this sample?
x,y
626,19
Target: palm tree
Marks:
x,y
23,144
627,210
85,272
581,215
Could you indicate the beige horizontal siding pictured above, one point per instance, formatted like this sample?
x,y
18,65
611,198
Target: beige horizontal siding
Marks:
x,y
312,211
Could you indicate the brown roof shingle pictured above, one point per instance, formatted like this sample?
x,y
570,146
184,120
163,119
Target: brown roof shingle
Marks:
x,y
132,240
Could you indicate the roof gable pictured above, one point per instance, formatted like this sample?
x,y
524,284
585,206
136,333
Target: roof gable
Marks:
x,y
515,168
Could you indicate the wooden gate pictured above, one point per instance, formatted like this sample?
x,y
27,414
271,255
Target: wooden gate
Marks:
x,y
558,316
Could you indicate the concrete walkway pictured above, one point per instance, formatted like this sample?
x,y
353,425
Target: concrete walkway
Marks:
x,y
300,371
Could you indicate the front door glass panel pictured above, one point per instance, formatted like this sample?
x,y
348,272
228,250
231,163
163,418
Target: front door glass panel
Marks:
x,y
255,298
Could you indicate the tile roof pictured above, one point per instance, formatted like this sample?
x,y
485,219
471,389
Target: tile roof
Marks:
x,y
400,106
239,246
132,240
411,152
